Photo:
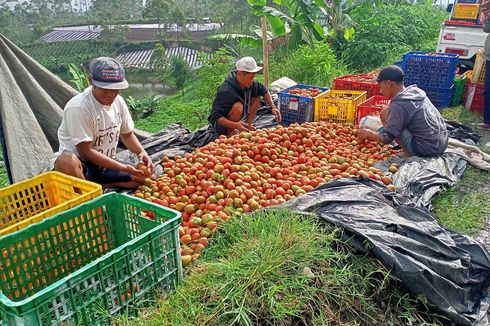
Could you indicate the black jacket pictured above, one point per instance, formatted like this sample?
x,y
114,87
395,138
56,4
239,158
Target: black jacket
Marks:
x,y
230,92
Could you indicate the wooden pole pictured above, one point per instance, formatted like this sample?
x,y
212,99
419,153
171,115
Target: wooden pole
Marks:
x,y
264,50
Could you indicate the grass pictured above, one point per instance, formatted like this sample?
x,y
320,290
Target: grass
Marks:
x,y
4,180
193,114
460,114
465,207
277,268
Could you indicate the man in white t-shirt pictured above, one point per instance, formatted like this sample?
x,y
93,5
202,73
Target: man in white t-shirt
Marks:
x,y
93,122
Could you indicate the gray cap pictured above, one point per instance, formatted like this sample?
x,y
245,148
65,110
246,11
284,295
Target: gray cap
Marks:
x,y
247,64
107,73
393,73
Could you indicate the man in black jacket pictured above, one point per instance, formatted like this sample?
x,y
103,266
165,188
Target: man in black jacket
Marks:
x,y
238,98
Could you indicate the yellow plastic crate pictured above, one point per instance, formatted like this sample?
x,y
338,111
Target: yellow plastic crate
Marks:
x,y
478,74
466,11
333,109
30,201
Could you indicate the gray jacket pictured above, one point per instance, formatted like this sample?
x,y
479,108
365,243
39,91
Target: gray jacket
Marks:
x,y
486,29
412,110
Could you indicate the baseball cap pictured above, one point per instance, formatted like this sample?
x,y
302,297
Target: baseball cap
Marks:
x,y
247,64
107,73
393,73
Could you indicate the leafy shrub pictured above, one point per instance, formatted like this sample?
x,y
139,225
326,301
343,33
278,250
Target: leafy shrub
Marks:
x,y
57,56
384,33
212,74
78,77
316,65
142,108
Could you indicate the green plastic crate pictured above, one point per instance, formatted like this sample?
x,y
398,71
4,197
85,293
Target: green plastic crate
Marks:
x,y
89,262
459,83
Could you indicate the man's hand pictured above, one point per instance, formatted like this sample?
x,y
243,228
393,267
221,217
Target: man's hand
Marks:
x,y
366,134
145,158
244,126
133,171
485,8
277,114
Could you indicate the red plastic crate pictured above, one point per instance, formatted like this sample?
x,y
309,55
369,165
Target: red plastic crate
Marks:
x,y
372,106
361,82
473,97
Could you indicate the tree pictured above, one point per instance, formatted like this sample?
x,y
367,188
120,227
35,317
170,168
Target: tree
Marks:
x,y
158,9
298,18
181,72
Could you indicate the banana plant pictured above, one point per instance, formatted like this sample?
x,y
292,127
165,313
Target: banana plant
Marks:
x,y
339,25
299,17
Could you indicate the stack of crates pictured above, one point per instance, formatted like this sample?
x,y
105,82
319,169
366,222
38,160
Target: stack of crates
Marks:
x,y
459,87
361,82
466,10
339,106
473,97
372,106
297,108
32,200
432,72
71,256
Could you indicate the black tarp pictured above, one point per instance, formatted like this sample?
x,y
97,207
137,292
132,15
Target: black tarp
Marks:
x,y
449,270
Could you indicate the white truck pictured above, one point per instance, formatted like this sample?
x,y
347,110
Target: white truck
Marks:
x,y
462,37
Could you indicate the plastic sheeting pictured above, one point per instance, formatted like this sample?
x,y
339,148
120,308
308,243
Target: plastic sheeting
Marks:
x,y
31,109
420,179
450,270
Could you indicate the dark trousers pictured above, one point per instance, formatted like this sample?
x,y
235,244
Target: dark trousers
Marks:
x,y
486,94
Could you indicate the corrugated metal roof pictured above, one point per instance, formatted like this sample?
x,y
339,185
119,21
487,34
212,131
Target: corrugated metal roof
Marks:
x,y
141,59
88,32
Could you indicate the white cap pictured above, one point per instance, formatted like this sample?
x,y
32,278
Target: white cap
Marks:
x,y
247,64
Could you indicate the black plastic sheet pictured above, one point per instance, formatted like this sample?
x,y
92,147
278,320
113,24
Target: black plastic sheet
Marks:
x,y
419,179
461,132
450,270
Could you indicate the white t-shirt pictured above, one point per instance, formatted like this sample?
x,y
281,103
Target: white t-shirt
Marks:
x,y
85,119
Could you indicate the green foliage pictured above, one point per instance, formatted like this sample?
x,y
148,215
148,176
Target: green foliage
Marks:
x,y
142,108
316,65
212,74
465,207
159,60
192,114
181,72
277,268
4,180
78,77
299,17
384,32
57,56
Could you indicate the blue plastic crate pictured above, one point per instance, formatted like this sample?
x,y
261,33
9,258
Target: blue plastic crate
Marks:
x,y
296,108
440,97
468,1
430,69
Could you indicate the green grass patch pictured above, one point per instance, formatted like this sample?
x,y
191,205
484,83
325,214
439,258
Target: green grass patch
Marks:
x,y
465,207
192,114
277,268
461,115
4,180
